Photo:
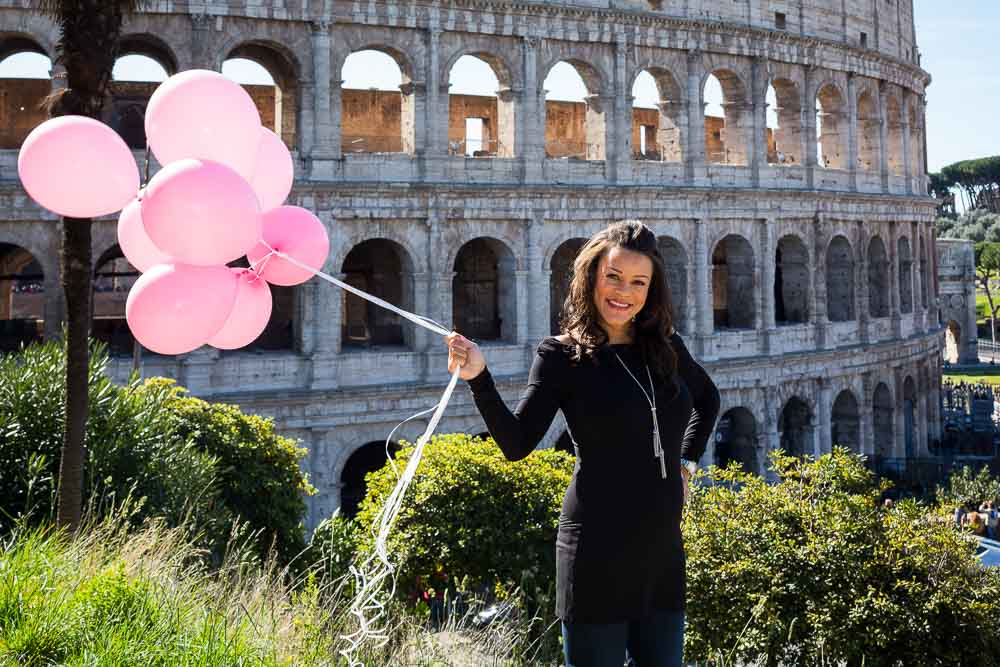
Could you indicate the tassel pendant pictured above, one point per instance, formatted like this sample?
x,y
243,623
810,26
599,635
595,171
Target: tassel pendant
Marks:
x,y
658,446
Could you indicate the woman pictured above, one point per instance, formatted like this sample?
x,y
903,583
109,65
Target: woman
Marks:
x,y
639,411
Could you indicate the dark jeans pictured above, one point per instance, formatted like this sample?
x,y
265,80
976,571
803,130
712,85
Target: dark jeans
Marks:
x,y
656,641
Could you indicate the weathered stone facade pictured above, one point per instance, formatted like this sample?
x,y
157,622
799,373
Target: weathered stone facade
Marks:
x,y
805,284
957,276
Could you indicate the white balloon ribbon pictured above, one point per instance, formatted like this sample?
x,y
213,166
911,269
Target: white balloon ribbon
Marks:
x,y
372,575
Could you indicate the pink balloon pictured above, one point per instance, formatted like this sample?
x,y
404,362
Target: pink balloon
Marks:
x,y
250,314
176,308
201,212
275,171
297,233
202,114
77,167
138,249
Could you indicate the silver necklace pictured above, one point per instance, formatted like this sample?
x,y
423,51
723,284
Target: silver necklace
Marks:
x,y
651,399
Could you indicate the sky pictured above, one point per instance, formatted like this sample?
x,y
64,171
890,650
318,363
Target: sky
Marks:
x,y
959,43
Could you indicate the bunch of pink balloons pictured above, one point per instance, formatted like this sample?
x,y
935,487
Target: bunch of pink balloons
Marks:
x,y
218,197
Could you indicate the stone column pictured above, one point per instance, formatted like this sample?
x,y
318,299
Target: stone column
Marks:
x,y
758,110
202,46
510,101
922,426
521,287
415,108
538,280
432,122
898,422
818,306
861,286
420,283
824,404
866,414
327,102
619,130
694,158
852,130
703,290
327,306
531,120
895,315
935,399
883,136
907,157
771,437
809,136
767,252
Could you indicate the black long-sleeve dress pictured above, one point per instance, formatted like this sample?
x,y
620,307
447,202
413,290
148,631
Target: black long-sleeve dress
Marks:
x,y
619,554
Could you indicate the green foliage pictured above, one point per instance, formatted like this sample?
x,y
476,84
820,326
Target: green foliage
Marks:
x,y
813,570
472,515
969,489
333,546
209,467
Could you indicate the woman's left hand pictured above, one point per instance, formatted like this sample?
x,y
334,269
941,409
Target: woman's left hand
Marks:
x,y
685,477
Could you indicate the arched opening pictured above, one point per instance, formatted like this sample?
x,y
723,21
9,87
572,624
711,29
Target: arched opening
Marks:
x,y
378,103
657,117
381,268
366,459
575,112
271,78
675,264
736,440
561,267
791,281
25,80
894,136
905,275
784,123
925,281
480,108
484,294
878,279
882,418
909,417
831,128
565,444
726,137
839,280
845,422
952,341
795,430
113,279
281,332
136,77
732,284
22,298
869,127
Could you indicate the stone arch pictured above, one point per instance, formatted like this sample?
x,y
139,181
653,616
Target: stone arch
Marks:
x,y
362,231
878,278
496,115
909,404
736,440
795,428
952,341
278,105
564,124
729,143
394,114
845,422
365,459
384,269
925,283
905,261
734,305
22,297
675,268
659,134
868,131
831,127
130,97
882,418
153,47
791,281
561,267
501,67
21,107
484,292
840,280
787,139
894,136
112,280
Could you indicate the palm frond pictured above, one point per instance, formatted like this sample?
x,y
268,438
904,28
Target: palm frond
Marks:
x,y
55,8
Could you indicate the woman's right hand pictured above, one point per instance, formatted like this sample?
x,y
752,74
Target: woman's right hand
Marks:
x,y
466,354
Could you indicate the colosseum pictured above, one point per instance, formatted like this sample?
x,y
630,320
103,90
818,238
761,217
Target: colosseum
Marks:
x,y
794,221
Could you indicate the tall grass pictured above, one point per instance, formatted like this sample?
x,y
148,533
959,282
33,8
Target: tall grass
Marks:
x,y
115,595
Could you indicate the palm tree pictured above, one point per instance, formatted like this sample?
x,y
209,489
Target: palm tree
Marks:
x,y
89,32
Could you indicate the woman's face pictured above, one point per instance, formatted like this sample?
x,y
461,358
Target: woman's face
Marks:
x,y
622,284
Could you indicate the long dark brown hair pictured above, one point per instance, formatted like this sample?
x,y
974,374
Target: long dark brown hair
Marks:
x,y
580,319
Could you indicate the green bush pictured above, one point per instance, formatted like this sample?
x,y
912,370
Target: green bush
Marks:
x,y
969,490
813,570
209,467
